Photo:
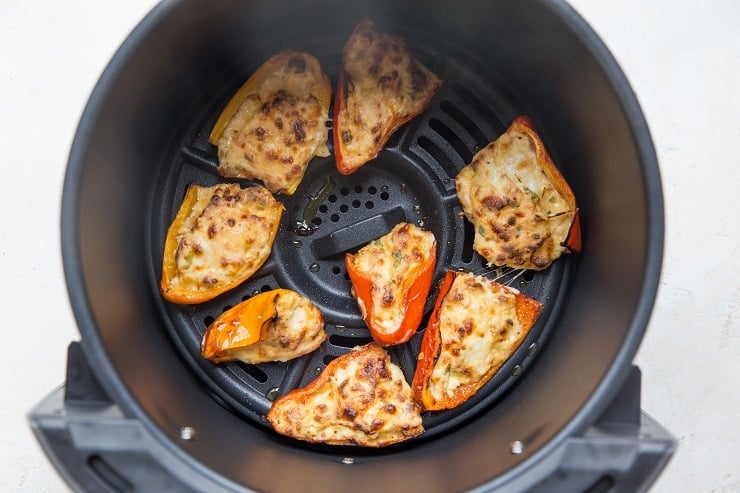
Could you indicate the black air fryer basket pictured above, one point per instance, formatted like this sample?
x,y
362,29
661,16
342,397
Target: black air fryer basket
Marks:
x,y
143,411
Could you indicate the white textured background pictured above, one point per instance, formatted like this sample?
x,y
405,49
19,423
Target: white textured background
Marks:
x,y
683,61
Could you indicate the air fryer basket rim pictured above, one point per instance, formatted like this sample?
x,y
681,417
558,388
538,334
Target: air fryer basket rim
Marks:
x,y
96,351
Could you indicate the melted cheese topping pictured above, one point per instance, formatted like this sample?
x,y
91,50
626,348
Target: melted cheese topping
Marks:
x,y
360,398
521,219
226,237
297,328
384,88
390,263
280,127
479,330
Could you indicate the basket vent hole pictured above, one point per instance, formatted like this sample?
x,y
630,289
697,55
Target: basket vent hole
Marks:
x,y
468,237
452,138
438,155
348,341
483,111
253,371
460,117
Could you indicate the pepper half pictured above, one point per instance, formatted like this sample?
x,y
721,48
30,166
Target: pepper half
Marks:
x,y
239,326
413,282
527,311
210,220
251,86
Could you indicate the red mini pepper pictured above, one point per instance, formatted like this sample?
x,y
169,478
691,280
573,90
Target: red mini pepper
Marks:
x,y
527,311
573,240
415,284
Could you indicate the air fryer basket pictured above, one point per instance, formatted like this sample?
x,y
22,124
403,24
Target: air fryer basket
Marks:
x,y
331,214
143,140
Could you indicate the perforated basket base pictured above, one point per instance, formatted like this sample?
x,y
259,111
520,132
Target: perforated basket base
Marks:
x,y
331,214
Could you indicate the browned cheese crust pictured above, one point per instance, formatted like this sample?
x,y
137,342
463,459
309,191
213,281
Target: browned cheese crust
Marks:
x,y
387,262
224,234
297,328
519,204
360,398
384,87
481,323
280,126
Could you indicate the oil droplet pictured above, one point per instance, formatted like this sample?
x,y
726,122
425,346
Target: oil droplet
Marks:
x,y
517,370
302,228
317,370
348,460
314,267
297,243
341,328
416,209
384,188
256,292
403,188
272,394
522,283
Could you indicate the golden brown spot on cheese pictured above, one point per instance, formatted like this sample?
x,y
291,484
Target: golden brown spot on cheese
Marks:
x,y
492,202
300,132
388,297
349,412
540,261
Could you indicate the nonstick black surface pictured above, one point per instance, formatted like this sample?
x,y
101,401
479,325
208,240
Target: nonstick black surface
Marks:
x,y
331,214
